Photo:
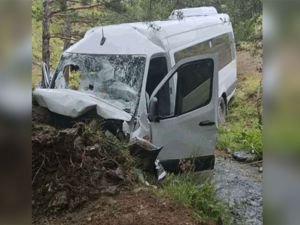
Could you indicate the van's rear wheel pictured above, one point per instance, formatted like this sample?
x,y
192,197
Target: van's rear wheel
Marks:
x,y
222,111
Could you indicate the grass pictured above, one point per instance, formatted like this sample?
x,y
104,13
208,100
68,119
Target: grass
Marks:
x,y
186,189
243,129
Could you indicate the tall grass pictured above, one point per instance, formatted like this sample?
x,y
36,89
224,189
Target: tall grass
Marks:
x,y
201,197
242,129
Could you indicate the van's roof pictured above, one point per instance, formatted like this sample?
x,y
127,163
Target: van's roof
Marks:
x,y
143,38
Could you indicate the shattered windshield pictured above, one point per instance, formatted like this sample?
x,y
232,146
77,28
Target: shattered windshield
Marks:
x,y
115,78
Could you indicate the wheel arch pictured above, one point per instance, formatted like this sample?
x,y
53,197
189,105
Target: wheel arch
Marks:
x,y
224,96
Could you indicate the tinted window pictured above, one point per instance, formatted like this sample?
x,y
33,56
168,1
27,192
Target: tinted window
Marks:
x,y
194,89
194,86
223,45
157,71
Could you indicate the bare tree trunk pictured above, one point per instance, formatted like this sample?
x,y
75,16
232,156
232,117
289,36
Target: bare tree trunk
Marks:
x,y
67,29
67,32
46,33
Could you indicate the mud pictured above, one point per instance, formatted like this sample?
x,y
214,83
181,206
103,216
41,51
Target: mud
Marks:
x,y
240,185
140,206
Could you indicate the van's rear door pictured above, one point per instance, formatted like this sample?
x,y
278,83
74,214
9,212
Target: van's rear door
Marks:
x,y
187,116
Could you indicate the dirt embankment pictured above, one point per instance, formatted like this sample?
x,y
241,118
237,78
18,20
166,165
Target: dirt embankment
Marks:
x,y
137,207
80,176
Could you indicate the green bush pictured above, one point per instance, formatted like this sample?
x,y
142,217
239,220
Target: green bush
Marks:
x,y
249,30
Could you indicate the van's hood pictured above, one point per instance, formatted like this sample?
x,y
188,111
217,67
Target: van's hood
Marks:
x,y
75,103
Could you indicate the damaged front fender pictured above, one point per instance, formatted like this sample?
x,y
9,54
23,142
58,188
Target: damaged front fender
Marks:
x,y
147,153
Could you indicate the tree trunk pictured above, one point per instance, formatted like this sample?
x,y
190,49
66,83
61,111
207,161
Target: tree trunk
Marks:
x,y
67,28
67,32
46,33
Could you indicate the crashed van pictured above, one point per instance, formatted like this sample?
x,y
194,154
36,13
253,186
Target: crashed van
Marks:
x,y
165,82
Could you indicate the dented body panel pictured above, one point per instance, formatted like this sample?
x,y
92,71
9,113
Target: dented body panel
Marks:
x,y
74,104
114,76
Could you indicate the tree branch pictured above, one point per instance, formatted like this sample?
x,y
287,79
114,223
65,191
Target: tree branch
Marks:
x,y
60,36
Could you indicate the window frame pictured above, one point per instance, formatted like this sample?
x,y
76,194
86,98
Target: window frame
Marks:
x,y
210,94
167,67
156,55
175,69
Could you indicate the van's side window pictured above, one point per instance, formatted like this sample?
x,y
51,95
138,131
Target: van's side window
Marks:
x,y
194,86
194,89
157,71
221,44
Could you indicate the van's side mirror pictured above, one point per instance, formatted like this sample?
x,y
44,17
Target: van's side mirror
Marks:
x,y
46,77
153,110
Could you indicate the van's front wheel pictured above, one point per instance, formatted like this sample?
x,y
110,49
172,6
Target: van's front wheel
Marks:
x,y
222,111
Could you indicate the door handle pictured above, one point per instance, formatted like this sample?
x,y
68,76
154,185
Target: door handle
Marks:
x,y
206,123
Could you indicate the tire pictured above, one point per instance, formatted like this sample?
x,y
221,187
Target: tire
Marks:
x,y
222,111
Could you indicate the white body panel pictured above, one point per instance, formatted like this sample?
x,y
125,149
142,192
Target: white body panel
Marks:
x,y
227,80
182,137
165,38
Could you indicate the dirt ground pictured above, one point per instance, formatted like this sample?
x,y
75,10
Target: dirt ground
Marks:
x,y
137,207
81,178
248,63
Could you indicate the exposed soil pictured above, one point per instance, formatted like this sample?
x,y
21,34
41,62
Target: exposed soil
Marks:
x,y
137,207
73,166
248,63
82,177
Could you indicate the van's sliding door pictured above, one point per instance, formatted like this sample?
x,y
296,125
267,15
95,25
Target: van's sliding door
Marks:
x,y
187,129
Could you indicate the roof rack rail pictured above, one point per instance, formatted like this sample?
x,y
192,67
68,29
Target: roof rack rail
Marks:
x,y
191,12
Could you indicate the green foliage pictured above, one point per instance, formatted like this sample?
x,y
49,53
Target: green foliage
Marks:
x,y
74,80
249,30
86,2
186,189
243,129
245,15
37,11
55,48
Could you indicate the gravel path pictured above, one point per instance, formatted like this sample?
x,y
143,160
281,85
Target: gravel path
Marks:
x,y
241,186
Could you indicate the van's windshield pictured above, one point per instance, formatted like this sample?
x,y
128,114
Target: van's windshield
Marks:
x,y
115,78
